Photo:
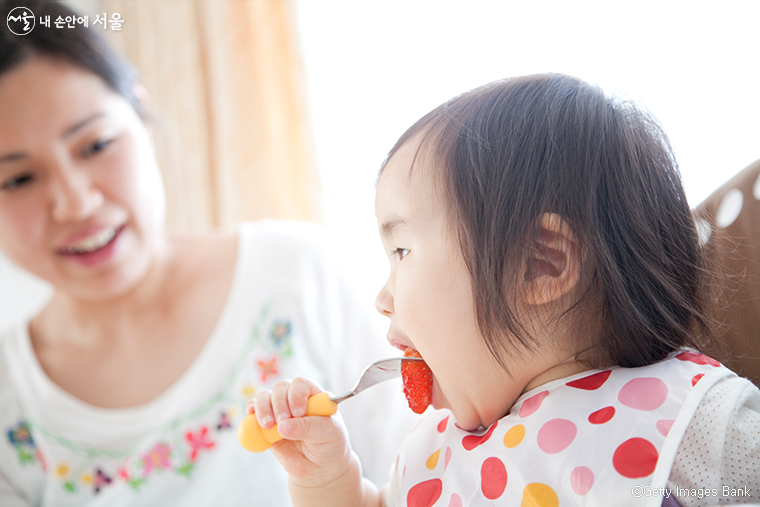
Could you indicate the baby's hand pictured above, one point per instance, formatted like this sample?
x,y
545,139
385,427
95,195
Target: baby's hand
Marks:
x,y
315,450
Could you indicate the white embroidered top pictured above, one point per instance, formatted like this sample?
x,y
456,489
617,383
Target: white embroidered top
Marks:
x,y
601,438
289,313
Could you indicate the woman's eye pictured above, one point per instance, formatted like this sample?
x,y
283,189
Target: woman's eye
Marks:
x,y
401,252
96,147
16,182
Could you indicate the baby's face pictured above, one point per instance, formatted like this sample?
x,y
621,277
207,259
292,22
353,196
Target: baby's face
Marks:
x,y
81,202
428,296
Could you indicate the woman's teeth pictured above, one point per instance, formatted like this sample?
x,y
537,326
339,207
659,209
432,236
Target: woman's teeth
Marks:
x,y
93,242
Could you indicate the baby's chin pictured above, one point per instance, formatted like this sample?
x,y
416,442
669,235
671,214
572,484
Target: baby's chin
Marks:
x,y
466,418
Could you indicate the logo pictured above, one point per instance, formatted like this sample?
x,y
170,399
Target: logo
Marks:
x,y
20,21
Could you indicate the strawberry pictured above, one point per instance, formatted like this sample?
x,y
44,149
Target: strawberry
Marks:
x,y
418,382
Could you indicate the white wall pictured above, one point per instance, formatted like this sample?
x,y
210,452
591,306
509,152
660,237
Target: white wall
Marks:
x,y
21,294
376,66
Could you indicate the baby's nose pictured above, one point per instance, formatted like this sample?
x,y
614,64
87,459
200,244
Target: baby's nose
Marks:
x,y
384,301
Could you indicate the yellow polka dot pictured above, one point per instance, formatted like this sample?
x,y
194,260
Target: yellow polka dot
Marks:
x,y
62,470
86,478
514,436
432,461
248,391
539,495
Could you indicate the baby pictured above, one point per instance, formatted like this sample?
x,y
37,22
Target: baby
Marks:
x,y
545,264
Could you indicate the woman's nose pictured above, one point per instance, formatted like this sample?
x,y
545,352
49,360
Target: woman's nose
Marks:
x,y
384,301
74,195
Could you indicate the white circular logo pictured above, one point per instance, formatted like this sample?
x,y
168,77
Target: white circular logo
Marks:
x,y
20,21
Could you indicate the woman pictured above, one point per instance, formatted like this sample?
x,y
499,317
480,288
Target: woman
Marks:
x,y
126,388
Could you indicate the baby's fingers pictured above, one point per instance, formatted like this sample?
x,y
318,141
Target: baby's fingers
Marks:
x,y
298,396
316,430
263,409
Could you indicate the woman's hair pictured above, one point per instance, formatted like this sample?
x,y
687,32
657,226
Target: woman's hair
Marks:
x,y
79,46
512,150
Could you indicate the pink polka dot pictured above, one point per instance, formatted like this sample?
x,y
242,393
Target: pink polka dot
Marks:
x,y
643,393
663,426
592,382
635,458
447,458
470,442
442,425
696,357
424,494
532,404
556,435
581,480
456,501
493,478
696,379
602,415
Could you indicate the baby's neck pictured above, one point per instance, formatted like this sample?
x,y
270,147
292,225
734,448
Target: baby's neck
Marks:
x,y
564,369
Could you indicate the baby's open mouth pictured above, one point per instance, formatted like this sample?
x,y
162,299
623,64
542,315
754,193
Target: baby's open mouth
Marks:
x,y
418,382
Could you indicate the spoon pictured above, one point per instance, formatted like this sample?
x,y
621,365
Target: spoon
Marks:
x,y
255,439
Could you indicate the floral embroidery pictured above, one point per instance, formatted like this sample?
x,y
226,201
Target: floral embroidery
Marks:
x,y
224,421
248,391
21,438
100,480
186,469
198,441
280,334
157,458
269,368
188,437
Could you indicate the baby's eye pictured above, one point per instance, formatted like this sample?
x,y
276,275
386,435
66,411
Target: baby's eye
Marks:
x,y
16,181
401,252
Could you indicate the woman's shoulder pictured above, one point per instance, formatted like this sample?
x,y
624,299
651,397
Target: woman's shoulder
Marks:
x,y
285,234
285,248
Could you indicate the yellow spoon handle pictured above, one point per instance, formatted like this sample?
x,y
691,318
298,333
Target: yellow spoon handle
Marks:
x,y
255,439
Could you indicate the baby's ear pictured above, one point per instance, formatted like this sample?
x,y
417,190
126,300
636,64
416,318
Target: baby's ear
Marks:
x,y
553,267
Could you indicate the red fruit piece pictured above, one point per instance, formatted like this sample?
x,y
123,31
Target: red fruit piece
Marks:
x,y
418,382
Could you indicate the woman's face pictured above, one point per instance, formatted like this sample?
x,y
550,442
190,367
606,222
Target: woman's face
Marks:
x,y
81,199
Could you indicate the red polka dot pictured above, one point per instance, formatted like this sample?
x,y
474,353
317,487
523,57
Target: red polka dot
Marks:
x,y
697,358
470,442
664,425
635,458
556,435
532,404
456,501
581,480
602,415
592,382
644,393
696,379
447,458
424,494
493,478
442,425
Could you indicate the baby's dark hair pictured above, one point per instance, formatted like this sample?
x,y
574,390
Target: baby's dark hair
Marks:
x,y
80,46
512,150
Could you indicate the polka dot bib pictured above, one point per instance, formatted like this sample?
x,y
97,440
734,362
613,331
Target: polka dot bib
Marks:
x,y
596,438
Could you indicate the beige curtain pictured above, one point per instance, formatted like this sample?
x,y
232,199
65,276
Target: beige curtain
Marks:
x,y
227,86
